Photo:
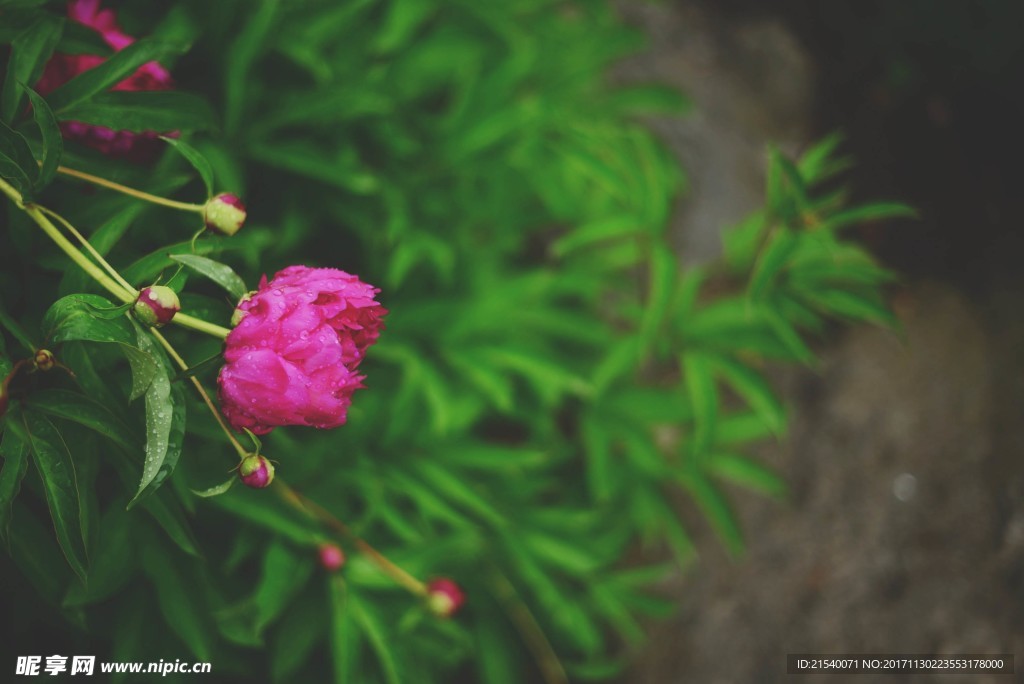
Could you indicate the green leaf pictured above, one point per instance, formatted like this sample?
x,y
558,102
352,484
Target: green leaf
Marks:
x,y
302,627
716,507
240,57
16,161
85,411
703,394
748,473
600,473
196,159
222,274
344,635
373,629
113,560
664,267
15,328
180,594
72,318
165,422
169,515
605,231
858,306
57,471
13,451
253,507
284,575
112,71
817,164
30,52
143,110
216,490
771,261
444,482
869,212
571,558
53,142
758,394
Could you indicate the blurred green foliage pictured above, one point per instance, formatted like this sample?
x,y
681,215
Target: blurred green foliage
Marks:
x,y
548,380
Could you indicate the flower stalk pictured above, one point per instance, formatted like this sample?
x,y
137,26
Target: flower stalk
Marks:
x,y
318,512
132,192
125,293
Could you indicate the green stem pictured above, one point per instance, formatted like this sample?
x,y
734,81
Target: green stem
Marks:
x,y
138,194
242,453
111,271
316,511
92,269
550,666
97,273
199,324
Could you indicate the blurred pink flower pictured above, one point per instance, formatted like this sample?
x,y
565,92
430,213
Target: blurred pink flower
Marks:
x,y
63,67
292,358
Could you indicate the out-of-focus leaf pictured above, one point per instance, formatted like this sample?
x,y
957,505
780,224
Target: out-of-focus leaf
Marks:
x,y
345,637
771,261
254,508
861,306
29,53
113,560
240,57
716,507
703,393
663,267
301,628
112,71
748,473
758,394
142,110
284,575
372,627
601,232
867,213
196,159
180,595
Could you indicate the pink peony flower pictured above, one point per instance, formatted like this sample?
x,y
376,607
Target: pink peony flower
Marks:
x,y
292,358
63,67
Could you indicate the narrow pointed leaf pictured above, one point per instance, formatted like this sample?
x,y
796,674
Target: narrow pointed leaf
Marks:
x,y
222,274
29,53
15,465
57,471
216,490
165,422
53,142
112,71
196,159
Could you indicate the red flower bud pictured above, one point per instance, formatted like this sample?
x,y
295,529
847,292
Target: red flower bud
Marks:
x,y
156,305
444,598
224,214
332,558
256,471
44,360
